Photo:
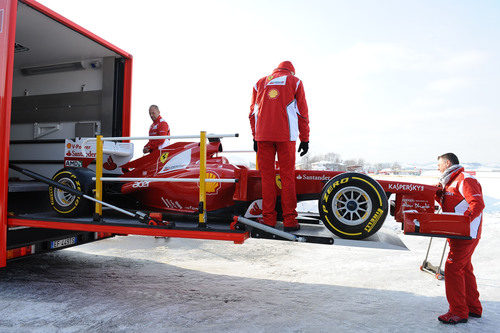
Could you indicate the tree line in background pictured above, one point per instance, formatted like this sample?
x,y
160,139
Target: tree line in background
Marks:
x,y
334,162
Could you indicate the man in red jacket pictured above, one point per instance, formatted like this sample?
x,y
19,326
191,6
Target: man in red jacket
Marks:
x,y
462,194
278,115
159,127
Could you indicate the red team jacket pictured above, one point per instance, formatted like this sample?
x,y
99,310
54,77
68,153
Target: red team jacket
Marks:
x,y
278,111
158,128
463,195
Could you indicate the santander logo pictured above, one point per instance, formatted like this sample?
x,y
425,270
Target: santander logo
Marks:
x,y
109,165
255,210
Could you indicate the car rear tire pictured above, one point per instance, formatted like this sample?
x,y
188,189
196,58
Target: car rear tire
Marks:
x,y
353,205
68,204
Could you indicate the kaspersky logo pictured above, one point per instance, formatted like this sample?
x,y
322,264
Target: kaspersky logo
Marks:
x,y
406,187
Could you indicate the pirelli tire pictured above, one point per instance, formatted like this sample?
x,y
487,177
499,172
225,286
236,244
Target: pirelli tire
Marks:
x,y
353,205
68,204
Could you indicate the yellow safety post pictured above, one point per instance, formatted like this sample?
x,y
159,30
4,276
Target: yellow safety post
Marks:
x,y
202,208
98,174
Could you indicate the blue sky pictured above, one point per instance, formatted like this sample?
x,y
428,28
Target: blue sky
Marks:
x,y
385,80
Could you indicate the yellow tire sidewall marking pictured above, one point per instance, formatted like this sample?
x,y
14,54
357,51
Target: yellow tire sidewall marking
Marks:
x,y
77,200
378,194
342,232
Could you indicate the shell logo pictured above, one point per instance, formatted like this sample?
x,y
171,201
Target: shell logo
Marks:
x,y
68,145
273,93
278,181
211,187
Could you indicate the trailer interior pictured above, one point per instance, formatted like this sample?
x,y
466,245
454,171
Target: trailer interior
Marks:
x,y
64,85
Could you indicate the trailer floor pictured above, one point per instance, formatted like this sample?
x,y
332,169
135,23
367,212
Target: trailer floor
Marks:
x,y
120,224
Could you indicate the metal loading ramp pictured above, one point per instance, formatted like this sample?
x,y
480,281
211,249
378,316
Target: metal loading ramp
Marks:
x,y
315,232
312,230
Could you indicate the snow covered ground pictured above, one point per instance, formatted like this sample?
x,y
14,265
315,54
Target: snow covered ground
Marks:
x,y
154,285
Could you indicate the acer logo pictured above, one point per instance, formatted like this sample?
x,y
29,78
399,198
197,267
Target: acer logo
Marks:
x,y
140,184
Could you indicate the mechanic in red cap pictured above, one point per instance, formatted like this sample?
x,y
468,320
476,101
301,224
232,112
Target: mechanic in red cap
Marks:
x,y
461,193
159,127
278,115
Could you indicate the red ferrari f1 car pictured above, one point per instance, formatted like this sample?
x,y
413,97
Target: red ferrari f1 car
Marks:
x,y
351,205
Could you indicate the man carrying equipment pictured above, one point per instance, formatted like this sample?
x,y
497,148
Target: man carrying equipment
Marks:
x,y
461,194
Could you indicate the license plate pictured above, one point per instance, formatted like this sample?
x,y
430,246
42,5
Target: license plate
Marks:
x,y
63,242
72,163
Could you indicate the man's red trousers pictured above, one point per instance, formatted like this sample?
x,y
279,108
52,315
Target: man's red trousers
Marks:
x,y
461,287
266,156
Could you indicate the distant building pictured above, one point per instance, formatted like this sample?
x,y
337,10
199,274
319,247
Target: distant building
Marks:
x,y
401,172
328,165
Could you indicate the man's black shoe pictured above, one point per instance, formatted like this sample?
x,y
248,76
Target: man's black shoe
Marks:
x,y
294,228
474,315
451,319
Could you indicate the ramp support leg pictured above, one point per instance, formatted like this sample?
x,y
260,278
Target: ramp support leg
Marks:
x,y
98,175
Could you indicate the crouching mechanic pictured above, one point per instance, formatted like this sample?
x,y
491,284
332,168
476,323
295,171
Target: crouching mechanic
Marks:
x,y
278,113
461,193
159,127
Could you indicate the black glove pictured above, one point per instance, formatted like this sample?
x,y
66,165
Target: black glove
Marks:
x,y
255,148
304,147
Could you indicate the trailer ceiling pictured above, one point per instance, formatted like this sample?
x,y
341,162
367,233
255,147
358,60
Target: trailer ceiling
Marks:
x,y
50,42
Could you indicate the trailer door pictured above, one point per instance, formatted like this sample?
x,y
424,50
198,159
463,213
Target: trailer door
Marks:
x,y
8,9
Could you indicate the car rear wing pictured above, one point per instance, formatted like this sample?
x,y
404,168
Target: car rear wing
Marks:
x,y
80,152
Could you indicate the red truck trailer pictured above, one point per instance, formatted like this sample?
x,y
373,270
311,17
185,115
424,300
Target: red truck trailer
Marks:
x,y
61,85
57,80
